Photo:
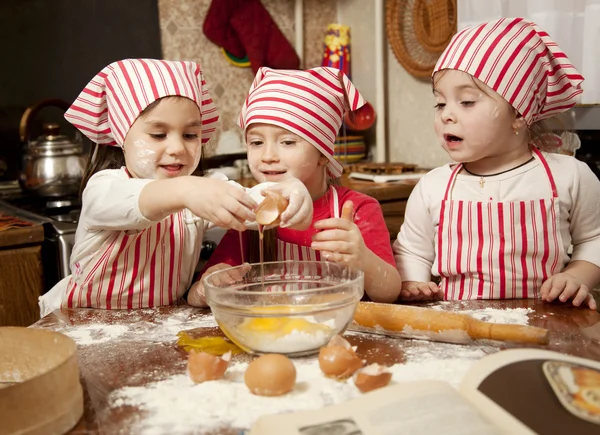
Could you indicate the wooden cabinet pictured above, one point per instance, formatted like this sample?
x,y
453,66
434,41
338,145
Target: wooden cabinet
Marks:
x,y
21,274
392,197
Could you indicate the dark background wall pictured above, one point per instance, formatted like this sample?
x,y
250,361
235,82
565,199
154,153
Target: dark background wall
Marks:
x,y
52,48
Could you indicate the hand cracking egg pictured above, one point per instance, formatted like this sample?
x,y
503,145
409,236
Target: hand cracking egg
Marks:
x,y
371,377
203,366
338,359
270,375
270,209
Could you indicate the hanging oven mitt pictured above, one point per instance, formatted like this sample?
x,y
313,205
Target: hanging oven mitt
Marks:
x,y
245,28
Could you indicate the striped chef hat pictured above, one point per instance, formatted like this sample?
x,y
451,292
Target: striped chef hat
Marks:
x,y
308,103
520,62
111,102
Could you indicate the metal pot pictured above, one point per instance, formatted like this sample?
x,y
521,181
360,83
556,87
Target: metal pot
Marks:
x,y
53,164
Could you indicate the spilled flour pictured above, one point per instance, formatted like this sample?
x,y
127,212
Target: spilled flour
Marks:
x,y
516,316
177,406
147,325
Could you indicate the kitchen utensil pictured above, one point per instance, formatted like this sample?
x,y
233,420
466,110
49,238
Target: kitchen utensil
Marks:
x,y
426,323
53,164
40,391
287,307
361,119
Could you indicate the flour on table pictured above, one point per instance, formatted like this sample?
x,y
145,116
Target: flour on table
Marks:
x,y
138,325
516,316
95,334
178,406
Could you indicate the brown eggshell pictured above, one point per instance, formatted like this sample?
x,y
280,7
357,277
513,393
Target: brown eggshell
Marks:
x,y
270,209
270,375
338,361
372,377
203,366
338,340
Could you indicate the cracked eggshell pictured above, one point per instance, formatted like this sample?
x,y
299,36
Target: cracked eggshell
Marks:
x,y
338,359
203,366
372,377
269,211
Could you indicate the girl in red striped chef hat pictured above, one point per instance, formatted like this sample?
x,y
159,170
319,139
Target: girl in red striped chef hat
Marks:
x,y
143,213
500,222
290,120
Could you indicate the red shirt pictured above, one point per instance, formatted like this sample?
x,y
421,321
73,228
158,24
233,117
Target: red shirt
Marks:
x,y
367,216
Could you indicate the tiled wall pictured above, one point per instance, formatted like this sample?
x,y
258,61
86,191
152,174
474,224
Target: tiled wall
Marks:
x,y
183,39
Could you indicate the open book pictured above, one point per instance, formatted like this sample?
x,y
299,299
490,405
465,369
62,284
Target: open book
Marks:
x,y
520,391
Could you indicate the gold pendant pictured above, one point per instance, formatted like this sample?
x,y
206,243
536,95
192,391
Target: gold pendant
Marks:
x,y
481,182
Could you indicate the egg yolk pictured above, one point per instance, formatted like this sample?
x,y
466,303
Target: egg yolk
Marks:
x,y
281,326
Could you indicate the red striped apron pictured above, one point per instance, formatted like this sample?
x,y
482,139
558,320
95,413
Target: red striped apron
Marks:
x,y
498,250
292,251
138,269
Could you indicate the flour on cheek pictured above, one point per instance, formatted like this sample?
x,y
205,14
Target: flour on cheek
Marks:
x,y
142,159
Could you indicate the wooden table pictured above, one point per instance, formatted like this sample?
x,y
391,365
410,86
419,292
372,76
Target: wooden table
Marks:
x,y
147,352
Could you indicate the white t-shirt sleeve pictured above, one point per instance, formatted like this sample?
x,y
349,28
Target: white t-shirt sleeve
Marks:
x,y
414,248
584,217
111,202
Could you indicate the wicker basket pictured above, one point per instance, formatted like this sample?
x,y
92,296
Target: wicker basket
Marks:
x,y
418,32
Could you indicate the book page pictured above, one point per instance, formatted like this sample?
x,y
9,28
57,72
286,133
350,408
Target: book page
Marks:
x,y
511,389
406,408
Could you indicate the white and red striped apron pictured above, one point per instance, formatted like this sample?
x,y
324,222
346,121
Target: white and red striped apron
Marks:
x,y
139,269
292,251
498,250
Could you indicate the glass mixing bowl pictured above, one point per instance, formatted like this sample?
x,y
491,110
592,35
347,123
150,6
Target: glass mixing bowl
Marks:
x,y
288,307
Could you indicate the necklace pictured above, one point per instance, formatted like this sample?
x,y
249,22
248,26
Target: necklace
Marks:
x,y
482,176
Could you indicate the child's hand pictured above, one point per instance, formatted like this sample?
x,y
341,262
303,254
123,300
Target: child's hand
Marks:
x,y
222,203
197,296
340,240
419,291
299,212
565,286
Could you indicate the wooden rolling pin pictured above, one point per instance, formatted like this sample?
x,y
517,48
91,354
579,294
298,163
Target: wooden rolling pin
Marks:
x,y
426,323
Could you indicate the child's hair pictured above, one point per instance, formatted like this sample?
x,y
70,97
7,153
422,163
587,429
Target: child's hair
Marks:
x,y
110,157
541,134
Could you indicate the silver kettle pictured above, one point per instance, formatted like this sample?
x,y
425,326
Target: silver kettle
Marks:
x,y
53,164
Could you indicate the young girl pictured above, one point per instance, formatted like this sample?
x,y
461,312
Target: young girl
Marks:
x,y
143,215
498,224
290,120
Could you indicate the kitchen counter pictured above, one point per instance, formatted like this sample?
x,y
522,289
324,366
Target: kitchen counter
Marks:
x,y
121,348
21,272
